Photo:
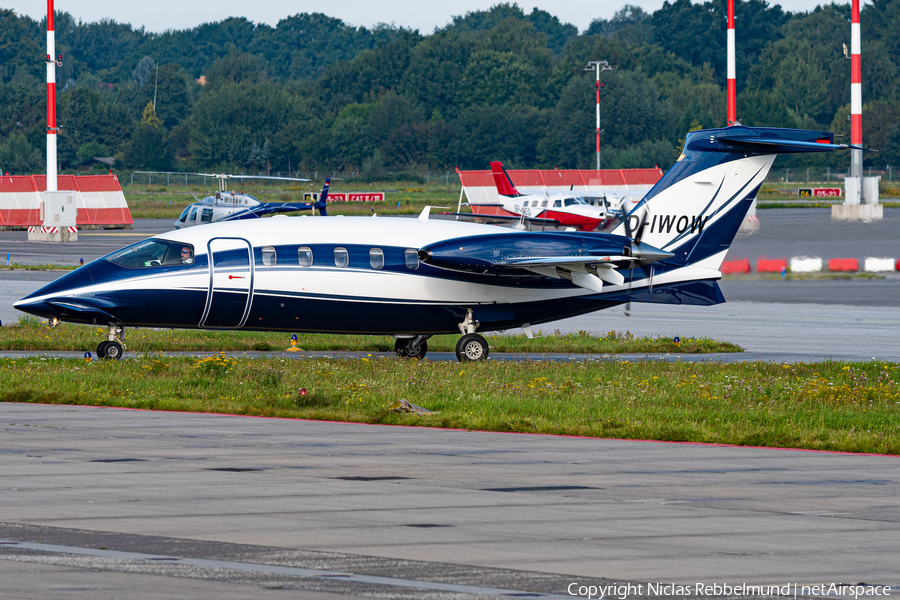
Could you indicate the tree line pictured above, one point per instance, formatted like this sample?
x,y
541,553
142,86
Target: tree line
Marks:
x,y
500,84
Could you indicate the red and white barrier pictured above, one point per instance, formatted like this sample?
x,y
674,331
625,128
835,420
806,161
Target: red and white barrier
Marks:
x,y
809,264
764,264
876,265
843,265
99,200
733,267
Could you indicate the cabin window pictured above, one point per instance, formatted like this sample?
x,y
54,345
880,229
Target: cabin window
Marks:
x,y
305,255
193,214
269,258
341,258
206,215
525,204
544,204
376,258
153,253
412,259
184,215
557,204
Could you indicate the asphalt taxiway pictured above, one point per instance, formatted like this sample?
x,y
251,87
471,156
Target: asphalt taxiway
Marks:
x,y
774,319
110,503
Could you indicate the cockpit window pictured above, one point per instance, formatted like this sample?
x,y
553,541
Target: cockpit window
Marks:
x,y
574,201
193,213
184,215
153,253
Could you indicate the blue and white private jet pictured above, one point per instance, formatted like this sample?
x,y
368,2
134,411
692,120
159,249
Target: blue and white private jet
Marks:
x,y
414,278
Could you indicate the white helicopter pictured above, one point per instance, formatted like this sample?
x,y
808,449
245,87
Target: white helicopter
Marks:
x,y
414,278
232,206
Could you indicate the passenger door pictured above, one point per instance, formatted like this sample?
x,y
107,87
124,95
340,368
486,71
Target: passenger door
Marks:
x,y
230,283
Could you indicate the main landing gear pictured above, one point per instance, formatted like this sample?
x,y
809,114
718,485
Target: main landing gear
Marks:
x,y
471,346
414,347
113,347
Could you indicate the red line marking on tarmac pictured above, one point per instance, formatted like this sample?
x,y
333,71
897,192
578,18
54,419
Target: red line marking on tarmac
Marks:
x,y
555,435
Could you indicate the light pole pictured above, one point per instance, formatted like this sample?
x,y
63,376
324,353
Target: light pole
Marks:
x,y
598,66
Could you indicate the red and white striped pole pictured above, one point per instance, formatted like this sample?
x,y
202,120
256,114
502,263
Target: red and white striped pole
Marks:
x,y
598,65
732,90
598,117
51,100
855,92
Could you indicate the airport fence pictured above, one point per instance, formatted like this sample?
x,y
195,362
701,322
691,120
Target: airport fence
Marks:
x,y
176,179
827,175
208,181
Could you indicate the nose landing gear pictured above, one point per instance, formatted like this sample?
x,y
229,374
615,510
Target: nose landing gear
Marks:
x,y
471,346
112,348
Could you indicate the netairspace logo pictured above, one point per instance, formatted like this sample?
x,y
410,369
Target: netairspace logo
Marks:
x,y
623,591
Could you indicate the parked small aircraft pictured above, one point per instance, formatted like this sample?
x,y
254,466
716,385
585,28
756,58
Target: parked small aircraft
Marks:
x,y
414,278
585,212
232,206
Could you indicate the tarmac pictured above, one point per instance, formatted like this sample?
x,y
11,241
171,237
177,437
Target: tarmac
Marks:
x,y
112,503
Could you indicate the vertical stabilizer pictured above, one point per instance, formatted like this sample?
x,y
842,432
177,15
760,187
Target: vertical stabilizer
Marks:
x,y
323,197
504,184
695,210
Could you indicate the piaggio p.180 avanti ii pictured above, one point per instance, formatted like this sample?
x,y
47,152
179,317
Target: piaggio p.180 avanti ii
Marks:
x,y
414,278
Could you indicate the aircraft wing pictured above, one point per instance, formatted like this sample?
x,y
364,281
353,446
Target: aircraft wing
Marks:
x,y
589,272
504,218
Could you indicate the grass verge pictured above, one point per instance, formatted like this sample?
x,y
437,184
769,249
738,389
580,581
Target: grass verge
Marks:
x,y
33,334
826,406
399,200
18,267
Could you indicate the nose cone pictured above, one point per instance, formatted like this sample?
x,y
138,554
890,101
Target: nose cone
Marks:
x,y
41,302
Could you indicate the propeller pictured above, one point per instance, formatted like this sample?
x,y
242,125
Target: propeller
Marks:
x,y
648,253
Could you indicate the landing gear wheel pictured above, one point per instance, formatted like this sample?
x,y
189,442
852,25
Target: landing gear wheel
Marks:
x,y
101,349
405,348
113,351
472,347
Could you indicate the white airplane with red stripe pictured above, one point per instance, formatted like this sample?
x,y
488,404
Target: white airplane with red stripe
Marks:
x,y
566,209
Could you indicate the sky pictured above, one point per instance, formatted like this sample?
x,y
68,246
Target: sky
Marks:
x,y
160,15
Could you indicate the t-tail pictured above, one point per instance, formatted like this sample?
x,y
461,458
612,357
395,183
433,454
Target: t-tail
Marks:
x,y
504,184
323,197
697,207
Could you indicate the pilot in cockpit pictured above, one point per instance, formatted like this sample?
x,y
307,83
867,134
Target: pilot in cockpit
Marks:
x,y
187,256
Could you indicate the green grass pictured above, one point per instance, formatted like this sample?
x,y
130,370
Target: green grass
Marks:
x,y
167,203
827,406
18,267
32,334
